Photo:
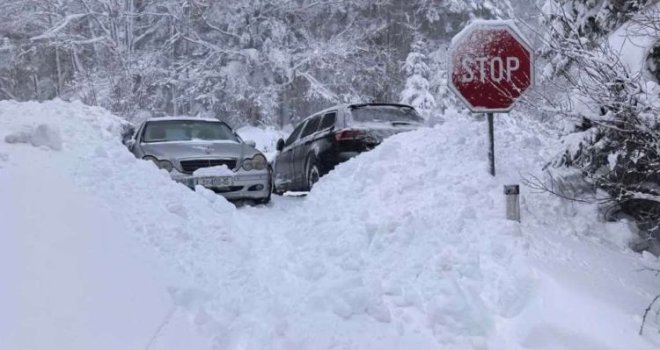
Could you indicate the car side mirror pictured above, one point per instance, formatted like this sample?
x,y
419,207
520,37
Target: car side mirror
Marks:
x,y
251,143
130,144
280,145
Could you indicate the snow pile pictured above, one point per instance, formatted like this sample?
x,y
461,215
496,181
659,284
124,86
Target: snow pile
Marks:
x,y
404,247
43,135
430,232
71,272
407,247
71,279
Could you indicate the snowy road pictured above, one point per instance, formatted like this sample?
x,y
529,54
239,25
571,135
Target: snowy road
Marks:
x,y
404,247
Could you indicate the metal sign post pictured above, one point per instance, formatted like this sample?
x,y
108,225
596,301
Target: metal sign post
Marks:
x,y
491,144
491,66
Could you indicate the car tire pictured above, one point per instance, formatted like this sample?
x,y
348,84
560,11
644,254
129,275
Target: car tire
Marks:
x,y
312,173
273,187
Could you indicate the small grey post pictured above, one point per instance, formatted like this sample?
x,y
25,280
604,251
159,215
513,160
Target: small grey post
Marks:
x,y
491,145
512,193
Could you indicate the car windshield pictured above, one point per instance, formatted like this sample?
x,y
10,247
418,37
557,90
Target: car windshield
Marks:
x,y
187,130
385,114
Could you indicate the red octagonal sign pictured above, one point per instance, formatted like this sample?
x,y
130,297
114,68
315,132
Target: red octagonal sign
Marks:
x,y
491,66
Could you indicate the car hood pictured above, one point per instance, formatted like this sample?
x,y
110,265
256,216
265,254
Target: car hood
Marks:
x,y
198,149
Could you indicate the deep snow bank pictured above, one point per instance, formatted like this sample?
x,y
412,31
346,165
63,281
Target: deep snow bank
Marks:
x,y
404,247
71,273
407,247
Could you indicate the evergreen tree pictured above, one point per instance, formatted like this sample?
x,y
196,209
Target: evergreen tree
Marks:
x,y
417,89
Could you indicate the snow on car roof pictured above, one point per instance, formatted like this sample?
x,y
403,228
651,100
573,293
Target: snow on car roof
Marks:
x,y
183,118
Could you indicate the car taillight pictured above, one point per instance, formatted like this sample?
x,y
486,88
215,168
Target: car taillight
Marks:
x,y
350,134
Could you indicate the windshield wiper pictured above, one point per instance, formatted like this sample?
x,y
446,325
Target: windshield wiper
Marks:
x,y
401,123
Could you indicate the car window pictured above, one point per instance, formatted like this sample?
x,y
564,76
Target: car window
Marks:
x,y
187,130
328,120
311,126
294,135
376,113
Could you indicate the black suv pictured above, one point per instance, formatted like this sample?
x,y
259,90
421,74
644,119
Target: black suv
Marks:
x,y
334,135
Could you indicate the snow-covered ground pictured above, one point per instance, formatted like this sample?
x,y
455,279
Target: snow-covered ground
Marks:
x,y
404,247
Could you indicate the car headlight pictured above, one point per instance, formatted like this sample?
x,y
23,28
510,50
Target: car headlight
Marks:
x,y
259,162
161,164
247,164
165,164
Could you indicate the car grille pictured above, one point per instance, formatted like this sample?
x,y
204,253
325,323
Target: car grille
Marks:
x,y
189,166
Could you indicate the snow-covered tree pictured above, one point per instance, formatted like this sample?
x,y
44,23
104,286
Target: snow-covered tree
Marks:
x,y
417,89
262,61
616,144
582,23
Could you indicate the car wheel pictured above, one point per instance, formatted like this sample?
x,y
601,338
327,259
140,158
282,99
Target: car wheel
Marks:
x,y
273,187
313,173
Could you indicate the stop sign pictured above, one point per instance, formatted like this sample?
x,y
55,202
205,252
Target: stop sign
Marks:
x,y
490,66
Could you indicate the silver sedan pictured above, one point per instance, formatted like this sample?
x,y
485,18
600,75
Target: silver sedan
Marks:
x,y
204,152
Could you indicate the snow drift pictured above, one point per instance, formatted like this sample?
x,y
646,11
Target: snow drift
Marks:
x,y
404,247
72,275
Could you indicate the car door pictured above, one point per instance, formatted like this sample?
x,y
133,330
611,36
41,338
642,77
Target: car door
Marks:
x,y
283,160
324,141
302,148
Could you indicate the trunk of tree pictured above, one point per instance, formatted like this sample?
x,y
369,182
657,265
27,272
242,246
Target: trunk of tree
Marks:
x,y
58,65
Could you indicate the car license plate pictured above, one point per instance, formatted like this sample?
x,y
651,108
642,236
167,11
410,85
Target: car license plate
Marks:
x,y
217,181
